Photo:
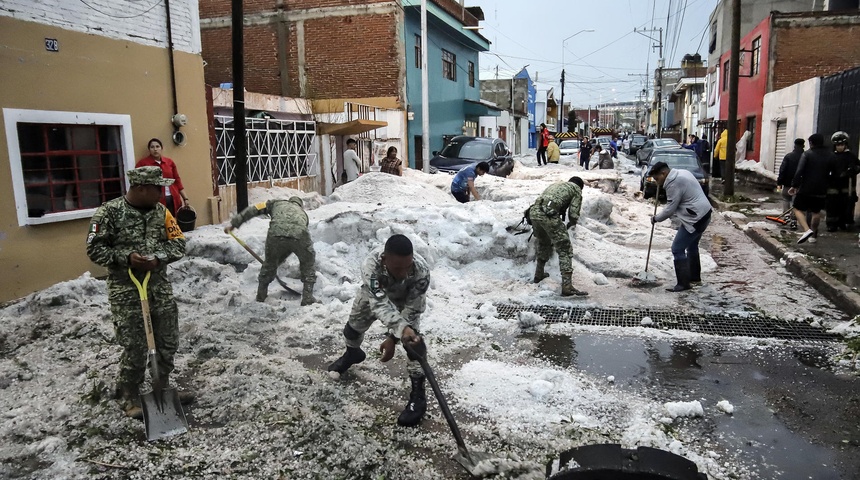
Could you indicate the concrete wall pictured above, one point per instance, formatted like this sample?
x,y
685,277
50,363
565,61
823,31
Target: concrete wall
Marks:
x,y
92,74
798,106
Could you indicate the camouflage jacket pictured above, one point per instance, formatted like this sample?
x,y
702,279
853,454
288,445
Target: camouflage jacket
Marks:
x,y
117,230
560,197
288,218
397,304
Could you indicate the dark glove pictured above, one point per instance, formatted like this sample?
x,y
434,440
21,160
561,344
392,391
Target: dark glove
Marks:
x,y
653,219
571,225
417,346
386,348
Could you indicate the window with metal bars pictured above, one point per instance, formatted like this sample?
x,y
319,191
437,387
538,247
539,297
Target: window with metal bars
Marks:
x,y
417,51
449,65
471,74
756,55
69,167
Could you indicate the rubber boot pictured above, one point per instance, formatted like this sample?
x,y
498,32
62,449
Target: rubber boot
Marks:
x,y
186,397
262,293
540,273
417,406
695,268
567,289
352,356
130,401
682,274
308,294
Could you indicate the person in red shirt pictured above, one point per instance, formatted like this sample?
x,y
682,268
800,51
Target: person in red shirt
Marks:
x,y
542,143
174,196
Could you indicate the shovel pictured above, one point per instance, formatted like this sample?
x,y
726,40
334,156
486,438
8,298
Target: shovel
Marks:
x,y
162,412
644,278
476,463
260,259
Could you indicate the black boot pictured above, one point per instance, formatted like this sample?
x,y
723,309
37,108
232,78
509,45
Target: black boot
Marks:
x,y
695,268
352,356
414,411
682,273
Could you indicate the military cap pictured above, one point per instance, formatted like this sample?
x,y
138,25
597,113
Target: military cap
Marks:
x,y
148,176
298,201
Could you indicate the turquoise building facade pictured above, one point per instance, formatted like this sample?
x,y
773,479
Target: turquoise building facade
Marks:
x,y
452,62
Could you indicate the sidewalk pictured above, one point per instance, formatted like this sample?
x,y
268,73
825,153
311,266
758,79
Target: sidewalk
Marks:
x,y
831,266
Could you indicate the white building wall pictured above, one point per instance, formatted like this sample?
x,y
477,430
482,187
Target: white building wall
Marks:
x,y
798,106
137,21
490,126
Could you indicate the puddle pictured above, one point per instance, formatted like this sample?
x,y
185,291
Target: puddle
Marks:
x,y
773,442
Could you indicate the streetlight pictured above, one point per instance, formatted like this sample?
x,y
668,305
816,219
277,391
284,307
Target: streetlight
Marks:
x,y
561,107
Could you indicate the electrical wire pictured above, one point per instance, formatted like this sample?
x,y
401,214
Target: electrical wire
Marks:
x,y
157,3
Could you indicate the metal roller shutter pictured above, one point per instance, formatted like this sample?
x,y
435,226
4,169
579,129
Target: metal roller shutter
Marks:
x,y
781,146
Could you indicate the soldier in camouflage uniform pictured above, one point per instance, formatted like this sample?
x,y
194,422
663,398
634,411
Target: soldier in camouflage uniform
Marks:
x,y
137,232
394,288
547,219
288,233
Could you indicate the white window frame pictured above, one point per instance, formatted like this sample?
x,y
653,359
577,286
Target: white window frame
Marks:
x,y
12,117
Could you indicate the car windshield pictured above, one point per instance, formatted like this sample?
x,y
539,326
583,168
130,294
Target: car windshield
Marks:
x,y
665,142
469,150
639,140
677,161
569,144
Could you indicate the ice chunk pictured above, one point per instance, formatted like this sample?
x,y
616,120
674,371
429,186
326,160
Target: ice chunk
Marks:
x,y
540,388
600,279
684,409
726,407
646,321
530,319
610,379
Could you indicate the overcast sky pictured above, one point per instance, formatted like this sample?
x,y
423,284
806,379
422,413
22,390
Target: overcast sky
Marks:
x,y
599,64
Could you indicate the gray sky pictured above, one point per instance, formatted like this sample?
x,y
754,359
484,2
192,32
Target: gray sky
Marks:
x,y
599,63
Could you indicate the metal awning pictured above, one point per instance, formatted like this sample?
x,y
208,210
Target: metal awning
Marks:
x,y
353,127
480,108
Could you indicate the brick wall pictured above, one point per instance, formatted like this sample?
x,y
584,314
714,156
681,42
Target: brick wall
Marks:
x,y
107,18
345,56
812,46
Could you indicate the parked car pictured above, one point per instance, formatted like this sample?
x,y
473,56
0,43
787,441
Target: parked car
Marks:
x,y
675,158
464,151
654,144
569,147
636,142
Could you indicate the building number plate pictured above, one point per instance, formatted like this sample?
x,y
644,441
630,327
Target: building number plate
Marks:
x,y
52,45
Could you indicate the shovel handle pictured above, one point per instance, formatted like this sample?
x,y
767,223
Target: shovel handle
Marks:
x,y
147,322
651,238
260,259
443,404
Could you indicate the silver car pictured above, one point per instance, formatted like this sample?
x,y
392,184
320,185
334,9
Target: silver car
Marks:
x,y
569,147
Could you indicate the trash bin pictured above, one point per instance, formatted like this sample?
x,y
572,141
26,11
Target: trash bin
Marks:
x,y
186,217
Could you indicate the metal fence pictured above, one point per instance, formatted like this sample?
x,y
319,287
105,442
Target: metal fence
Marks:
x,y
839,105
277,149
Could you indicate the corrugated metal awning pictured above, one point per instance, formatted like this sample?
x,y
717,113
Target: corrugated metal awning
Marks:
x,y
353,127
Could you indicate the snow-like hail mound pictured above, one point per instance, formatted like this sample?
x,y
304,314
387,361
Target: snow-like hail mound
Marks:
x,y
266,407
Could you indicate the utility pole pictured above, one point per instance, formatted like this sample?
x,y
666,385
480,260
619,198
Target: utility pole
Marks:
x,y
425,93
240,143
659,83
732,124
561,106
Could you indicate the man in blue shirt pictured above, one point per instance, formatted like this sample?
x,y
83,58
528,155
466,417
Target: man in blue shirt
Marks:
x,y
464,181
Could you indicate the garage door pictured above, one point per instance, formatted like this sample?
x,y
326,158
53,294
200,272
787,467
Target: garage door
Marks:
x,y
781,147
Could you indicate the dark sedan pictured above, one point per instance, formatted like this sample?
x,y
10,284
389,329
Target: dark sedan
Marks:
x,y
464,151
681,158
654,144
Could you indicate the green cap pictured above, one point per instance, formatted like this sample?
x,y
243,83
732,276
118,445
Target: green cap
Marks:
x,y
148,176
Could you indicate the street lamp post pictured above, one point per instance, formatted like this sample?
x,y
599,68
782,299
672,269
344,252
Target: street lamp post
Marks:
x,y
561,106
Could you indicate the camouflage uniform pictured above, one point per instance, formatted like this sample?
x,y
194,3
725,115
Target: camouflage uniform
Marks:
x,y
396,304
116,231
547,215
288,233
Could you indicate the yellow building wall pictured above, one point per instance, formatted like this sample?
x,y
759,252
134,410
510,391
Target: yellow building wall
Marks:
x,y
92,74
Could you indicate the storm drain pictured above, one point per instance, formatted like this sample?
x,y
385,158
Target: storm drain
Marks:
x,y
723,324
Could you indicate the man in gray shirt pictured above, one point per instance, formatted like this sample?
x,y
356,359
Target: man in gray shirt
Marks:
x,y
351,162
688,202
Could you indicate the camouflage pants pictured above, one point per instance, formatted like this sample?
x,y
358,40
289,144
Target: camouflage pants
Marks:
x,y
277,251
550,232
361,318
128,325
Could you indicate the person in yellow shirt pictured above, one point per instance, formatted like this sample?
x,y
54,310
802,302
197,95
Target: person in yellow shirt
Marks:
x,y
720,153
552,151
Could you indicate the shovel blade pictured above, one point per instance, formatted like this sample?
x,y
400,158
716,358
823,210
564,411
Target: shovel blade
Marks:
x,y
162,414
478,464
644,277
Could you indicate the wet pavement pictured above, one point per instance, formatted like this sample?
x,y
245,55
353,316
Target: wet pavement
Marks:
x,y
792,419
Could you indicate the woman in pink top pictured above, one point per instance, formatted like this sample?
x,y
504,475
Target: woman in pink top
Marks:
x,y
174,196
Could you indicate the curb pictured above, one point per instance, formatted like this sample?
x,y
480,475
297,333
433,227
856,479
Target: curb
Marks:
x,y
797,263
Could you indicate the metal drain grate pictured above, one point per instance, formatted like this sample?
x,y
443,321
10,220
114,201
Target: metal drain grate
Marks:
x,y
726,325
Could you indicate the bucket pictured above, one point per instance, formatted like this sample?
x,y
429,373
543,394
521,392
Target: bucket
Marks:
x,y
186,217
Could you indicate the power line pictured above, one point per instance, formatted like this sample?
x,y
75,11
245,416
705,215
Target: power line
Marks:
x,y
136,15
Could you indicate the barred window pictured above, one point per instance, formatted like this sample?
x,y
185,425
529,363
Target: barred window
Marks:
x,y
449,65
64,171
471,74
417,51
756,55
